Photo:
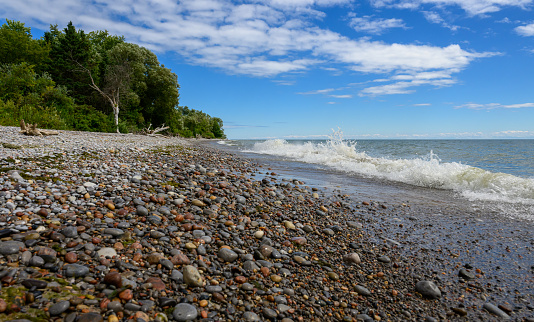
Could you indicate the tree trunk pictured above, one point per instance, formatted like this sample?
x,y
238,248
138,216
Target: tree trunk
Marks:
x,y
116,114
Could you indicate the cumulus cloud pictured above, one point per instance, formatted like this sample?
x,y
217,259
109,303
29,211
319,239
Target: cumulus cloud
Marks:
x,y
472,7
527,30
262,38
375,26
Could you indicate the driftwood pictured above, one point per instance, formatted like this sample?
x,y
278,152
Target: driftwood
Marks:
x,y
155,131
31,129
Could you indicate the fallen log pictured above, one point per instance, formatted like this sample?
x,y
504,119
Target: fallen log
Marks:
x,y
31,129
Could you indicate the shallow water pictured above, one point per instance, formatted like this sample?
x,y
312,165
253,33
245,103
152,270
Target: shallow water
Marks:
x,y
494,176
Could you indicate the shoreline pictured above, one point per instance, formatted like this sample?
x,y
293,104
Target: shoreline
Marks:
x,y
229,239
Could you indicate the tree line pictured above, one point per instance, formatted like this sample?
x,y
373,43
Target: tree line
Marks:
x,y
72,80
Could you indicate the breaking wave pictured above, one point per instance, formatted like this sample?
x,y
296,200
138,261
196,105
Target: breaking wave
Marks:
x,y
427,171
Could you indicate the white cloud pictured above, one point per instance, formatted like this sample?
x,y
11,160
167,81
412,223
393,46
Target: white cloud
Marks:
x,y
375,26
434,17
472,7
422,104
319,91
527,30
492,106
341,96
263,38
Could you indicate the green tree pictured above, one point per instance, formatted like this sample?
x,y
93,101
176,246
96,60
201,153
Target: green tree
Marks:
x,y
17,45
160,99
71,53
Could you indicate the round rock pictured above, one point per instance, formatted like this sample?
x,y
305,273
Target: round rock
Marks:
x,y
227,255
10,247
184,312
192,276
59,308
428,289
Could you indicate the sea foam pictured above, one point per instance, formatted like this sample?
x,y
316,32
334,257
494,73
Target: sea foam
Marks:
x,y
428,171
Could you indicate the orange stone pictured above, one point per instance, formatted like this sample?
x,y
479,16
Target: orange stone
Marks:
x,y
157,283
71,257
240,279
126,295
265,271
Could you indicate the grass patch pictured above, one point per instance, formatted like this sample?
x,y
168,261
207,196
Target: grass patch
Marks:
x,y
11,146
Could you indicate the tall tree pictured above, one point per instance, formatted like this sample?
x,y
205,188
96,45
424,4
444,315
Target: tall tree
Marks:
x,y
70,50
17,45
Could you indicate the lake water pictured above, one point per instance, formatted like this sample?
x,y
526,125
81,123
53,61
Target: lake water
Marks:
x,y
481,175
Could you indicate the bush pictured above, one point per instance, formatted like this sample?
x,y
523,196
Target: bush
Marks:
x,y
87,118
44,116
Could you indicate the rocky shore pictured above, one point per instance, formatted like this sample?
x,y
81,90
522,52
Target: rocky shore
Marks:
x,y
110,227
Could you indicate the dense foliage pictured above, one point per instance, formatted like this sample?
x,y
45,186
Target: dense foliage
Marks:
x,y
72,80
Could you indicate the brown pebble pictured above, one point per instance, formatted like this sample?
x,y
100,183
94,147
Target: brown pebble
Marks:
x,y
3,305
71,257
113,278
218,297
240,279
157,283
126,295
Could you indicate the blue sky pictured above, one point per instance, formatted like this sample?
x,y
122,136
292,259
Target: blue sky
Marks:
x,y
300,68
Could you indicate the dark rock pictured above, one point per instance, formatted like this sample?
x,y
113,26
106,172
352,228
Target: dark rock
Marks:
x,y
428,289
59,308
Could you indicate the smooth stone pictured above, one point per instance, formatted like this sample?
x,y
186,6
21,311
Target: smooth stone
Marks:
x,y
11,247
354,224
269,313
38,284
70,232
192,276
247,287
362,290
352,258
90,317
76,270
115,232
384,259
115,306
177,276
495,310
250,317
166,301
141,211
132,307
250,266
227,255
466,275
184,312
59,308
36,261
166,263
107,251
266,250
333,276
428,289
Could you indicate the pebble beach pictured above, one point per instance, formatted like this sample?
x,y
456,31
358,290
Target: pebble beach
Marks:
x,y
122,227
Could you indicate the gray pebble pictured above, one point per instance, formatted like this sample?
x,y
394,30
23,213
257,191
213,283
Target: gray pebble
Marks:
x,y
184,312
